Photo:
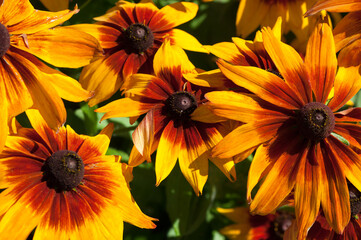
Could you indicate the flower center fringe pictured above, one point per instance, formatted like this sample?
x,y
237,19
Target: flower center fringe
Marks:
x,y
4,40
180,104
316,121
63,170
139,37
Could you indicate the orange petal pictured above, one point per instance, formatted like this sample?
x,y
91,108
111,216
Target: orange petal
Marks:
x,y
44,96
213,79
321,60
41,20
80,46
335,199
171,58
168,151
264,84
227,166
204,114
246,137
4,117
347,82
240,107
335,6
11,13
186,41
103,77
289,64
348,30
307,195
280,180
226,51
124,107
193,159
15,91
107,36
173,15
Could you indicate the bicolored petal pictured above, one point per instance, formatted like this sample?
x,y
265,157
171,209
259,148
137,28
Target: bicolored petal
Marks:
x,y
173,15
213,79
193,159
103,76
289,64
186,41
171,59
168,151
335,6
124,107
4,115
41,20
307,194
281,178
348,30
56,45
335,199
264,84
247,136
44,96
321,60
107,36
17,96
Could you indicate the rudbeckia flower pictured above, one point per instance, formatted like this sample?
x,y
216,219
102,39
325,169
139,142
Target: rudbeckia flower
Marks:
x,y
130,35
64,185
26,82
55,5
255,227
296,129
254,13
348,30
176,123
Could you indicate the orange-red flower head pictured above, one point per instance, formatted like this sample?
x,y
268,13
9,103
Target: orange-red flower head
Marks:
x,y
130,35
63,184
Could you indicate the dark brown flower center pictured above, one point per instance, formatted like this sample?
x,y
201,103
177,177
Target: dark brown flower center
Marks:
x,y
355,200
4,40
63,170
180,104
139,37
316,121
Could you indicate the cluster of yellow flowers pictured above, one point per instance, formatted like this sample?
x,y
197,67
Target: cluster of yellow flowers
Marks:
x,y
286,103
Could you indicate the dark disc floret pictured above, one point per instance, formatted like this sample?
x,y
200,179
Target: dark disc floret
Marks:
x,y
4,40
63,170
139,37
282,222
180,104
316,121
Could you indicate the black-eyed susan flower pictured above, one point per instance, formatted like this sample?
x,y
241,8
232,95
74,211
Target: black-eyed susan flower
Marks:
x,y
296,129
130,35
63,184
26,82
255,227
254,13
176,123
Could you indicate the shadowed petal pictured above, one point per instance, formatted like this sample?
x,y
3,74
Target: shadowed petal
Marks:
x,y
348,30
143,135
335,6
